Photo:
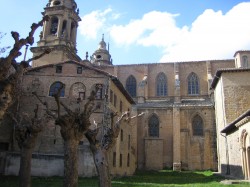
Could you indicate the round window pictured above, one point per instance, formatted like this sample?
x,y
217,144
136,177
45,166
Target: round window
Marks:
x,y
56,3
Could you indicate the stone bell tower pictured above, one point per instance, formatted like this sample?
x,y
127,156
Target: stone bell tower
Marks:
x,y
59,33
101,56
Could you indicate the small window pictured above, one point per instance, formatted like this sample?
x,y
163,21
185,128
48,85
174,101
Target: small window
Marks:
x,y
114,159
111,96
197,125
120,106
120,160
129,141
79,70
99,90
54,25
55,87
121,135
131,86
153,129
115,100
82,96
58,69
193,84
56,3
128,160
161,85
245,62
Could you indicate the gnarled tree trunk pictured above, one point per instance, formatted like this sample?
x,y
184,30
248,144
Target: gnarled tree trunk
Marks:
x,y
25,162
70,163
102,166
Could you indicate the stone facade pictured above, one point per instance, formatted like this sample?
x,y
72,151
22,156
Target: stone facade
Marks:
x,y
231,93
176,123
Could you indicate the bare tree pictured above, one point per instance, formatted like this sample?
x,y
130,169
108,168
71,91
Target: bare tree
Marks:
x,y
101,145
12,71
74,125
27,129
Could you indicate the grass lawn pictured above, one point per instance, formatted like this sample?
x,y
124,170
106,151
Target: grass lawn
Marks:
x,y
140,179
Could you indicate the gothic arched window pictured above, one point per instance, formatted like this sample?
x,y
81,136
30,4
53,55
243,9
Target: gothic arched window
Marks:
x,y
131,86
161,85
153,126
244,62
54,25
197,125
55,87
193,84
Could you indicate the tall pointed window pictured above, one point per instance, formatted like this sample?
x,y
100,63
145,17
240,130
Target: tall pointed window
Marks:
x,y
197,125
193,84
153,126
161,85
131,86
244,62
55,87
54,25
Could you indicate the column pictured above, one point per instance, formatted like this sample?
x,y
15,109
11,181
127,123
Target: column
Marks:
x,y
59,27
176,139
69,29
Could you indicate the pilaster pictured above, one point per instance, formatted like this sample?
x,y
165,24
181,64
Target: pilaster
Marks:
x,y
176,139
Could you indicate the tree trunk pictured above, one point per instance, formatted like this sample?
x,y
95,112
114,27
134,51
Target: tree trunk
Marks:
x,y
101,162
70,163
25,167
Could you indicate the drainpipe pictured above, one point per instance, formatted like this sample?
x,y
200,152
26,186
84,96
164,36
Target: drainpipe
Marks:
x,y
227,154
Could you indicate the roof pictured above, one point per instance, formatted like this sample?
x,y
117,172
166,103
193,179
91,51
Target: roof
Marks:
x,y
232,126
220,71
241,51
114,79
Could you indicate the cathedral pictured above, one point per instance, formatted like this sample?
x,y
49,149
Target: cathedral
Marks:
x,y
176,103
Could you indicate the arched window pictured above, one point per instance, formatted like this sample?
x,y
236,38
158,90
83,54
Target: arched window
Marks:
x,y
153,126
55,87
78,91
197,124
161,85
54,25
244,62
131,86
193,84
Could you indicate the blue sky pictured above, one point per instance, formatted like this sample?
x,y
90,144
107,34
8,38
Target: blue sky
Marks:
x,y
146,31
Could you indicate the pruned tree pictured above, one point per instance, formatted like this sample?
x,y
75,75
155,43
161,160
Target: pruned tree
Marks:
x,y
101,145
74,125
27,129
12,71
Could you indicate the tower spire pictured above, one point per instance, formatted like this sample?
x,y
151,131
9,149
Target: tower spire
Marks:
x,y
101,56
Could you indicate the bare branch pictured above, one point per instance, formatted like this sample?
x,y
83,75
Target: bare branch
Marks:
x,y
57,98
46,106
70,112
89,106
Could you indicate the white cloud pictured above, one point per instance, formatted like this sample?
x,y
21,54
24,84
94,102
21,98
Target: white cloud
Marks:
x,y
154,28
93,22
213,35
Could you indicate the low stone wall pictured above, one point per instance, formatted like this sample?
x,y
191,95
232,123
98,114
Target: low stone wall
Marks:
x,y
47,165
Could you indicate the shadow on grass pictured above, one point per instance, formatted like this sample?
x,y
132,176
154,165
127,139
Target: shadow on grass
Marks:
x,y
140,179
168,177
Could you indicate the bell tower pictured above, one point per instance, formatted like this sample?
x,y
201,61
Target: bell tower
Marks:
x,y
101,56
59,33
